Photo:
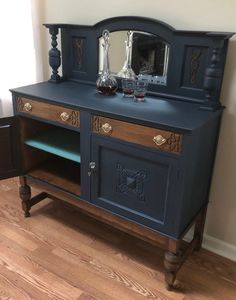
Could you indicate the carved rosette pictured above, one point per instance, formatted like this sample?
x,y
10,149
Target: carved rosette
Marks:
x,y
131,183
74,118
173,143
19,104
96,124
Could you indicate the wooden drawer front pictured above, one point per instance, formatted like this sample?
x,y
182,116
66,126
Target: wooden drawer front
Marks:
x,y
146,136
48,111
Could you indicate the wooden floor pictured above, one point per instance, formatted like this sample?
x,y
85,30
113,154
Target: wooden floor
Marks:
x,y
60,253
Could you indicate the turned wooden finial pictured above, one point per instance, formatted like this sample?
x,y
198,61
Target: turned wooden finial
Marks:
x,y
212,74
212,80
54,55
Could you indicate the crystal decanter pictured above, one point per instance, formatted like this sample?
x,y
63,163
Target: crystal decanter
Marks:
x,y
127,71
106,83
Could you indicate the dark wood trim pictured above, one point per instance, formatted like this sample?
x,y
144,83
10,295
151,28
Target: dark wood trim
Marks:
x,y
176,255
139,231
199,227
38,198
50,112
168,140
25,195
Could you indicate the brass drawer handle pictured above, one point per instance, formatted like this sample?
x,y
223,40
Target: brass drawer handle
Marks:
x,y
159,140
106,128
27,107
64,116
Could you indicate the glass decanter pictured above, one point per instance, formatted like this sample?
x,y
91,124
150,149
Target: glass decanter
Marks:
x,y
127,71
106,83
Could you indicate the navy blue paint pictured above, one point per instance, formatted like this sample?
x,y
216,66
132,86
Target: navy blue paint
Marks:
x,y
161,185
156,112
54,55
177,39
173,187
188,177
197,162
85,135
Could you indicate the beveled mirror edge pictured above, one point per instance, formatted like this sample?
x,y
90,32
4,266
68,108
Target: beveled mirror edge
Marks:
x,y
117,56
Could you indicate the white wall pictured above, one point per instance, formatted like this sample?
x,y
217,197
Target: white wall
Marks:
x,y
217,15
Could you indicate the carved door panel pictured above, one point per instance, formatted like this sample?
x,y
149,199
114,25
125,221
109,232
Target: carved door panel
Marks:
x,y
133,183
9,148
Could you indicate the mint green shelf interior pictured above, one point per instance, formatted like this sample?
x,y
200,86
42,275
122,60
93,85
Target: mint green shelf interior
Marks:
x,y
61,142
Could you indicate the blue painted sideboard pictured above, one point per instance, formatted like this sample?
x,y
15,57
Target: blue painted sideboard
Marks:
x,y
143,167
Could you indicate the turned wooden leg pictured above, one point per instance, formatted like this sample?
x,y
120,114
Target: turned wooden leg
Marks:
x,y
199,228
25,195
172,263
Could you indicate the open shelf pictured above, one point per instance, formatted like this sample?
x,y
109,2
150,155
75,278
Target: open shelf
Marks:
x,y
61,142
59,172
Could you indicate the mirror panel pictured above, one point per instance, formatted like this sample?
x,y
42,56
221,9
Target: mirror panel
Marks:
x,y
149,59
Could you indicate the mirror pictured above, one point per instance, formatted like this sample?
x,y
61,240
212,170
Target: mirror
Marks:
x,y
149,55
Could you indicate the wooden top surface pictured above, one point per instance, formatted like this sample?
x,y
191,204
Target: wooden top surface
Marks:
x,y
157,112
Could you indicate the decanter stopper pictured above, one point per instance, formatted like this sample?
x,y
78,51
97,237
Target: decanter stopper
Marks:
x,y
106,83
127,71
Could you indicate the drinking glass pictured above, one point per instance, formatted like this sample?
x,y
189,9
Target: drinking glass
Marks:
x,y
128,87
140,89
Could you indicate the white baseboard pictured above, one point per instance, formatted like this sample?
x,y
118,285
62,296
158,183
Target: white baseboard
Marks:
x,y
219,247
216,246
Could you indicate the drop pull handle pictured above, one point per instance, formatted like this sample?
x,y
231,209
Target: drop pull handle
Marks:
x,y
107,128
64,116
27,107
159,140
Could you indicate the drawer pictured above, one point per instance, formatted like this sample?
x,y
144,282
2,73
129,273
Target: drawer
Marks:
x,y
48,111
147,136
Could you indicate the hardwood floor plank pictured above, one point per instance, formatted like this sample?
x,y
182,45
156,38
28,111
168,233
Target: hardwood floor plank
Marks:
x,y
59,253
125,269
87,297
17,279
207,283
75,243
35,274
78,275
13,286
110,273
19,236
215,265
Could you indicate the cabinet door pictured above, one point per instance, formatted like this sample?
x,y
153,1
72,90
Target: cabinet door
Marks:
x,y
9,148
136,184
